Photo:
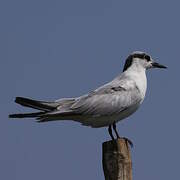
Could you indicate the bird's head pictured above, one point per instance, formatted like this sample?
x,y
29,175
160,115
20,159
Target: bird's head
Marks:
x,y
141,60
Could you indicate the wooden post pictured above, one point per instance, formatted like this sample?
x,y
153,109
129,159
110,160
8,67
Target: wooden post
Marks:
x,y
117,164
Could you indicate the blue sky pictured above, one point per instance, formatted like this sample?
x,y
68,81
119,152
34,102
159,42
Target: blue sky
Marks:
x,y
54,49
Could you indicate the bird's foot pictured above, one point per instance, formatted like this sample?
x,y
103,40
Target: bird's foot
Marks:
x,y
128,141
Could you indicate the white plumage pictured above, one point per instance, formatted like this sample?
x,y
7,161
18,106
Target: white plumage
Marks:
x,y
104,106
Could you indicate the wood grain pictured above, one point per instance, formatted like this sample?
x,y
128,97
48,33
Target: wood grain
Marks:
x,y
117,164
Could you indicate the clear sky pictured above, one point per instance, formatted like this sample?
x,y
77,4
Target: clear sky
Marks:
x,y
54,49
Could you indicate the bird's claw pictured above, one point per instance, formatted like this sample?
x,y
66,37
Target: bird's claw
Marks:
x,y
128,141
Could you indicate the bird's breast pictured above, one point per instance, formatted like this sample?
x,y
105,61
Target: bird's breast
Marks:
x,y
140,81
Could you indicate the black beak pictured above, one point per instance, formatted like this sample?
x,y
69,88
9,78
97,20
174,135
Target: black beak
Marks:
x,y
157,65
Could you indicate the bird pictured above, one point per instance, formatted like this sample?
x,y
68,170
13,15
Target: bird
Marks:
x,y
104,106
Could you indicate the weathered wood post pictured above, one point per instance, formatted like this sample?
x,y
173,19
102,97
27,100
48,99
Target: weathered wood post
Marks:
x,y
117,164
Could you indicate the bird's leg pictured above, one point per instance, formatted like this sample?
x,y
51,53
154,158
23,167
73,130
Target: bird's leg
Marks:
x,y
110,132
128,141
115,130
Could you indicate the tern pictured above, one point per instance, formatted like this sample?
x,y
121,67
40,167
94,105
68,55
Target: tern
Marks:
x,y
104,106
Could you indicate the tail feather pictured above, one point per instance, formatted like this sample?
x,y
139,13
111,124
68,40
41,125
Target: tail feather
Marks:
x,y
49,111
55,115
40,105
26,115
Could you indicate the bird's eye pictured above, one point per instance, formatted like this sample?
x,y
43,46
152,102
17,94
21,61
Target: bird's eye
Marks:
x,y
147,58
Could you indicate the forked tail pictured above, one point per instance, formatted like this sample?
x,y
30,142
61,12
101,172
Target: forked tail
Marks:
x,y
48,111
43,106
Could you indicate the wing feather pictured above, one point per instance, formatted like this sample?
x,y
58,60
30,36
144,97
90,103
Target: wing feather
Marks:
x,y
108,100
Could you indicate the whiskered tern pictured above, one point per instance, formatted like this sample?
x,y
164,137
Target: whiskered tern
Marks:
x,y
104,106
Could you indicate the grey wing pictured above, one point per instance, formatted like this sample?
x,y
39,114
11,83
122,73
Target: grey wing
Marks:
x,y
108,100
